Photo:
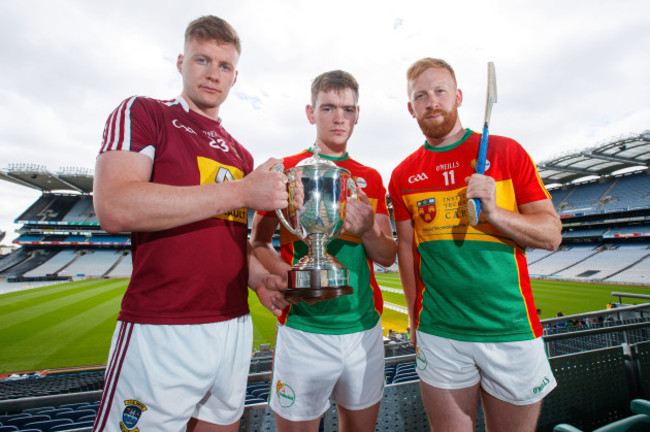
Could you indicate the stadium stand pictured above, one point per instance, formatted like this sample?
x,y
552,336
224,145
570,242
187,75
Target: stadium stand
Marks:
x,y
606,262
123,266
53,265
561,259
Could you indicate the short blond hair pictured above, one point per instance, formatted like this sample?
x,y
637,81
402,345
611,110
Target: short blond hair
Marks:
x,y
420,66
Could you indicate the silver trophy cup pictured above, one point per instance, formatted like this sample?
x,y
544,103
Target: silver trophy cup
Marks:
x,y
318,192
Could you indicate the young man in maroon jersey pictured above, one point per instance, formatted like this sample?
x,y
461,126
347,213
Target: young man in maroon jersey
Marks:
x,y
332,349
467,288
169,173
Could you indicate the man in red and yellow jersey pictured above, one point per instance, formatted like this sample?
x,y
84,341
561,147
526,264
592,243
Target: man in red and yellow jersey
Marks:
x,y
467,288
334,348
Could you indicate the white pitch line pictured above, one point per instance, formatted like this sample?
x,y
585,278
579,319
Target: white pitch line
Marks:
x,y
396,307
393,290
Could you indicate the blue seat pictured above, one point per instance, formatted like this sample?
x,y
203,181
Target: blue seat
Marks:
x,y
407,377
20,422
261,392
73,426
8,428
37,410
402,367
47,425
75,415
76,405
5,417
257,385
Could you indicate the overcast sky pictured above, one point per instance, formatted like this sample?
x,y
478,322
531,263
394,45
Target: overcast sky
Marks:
x,y
570,74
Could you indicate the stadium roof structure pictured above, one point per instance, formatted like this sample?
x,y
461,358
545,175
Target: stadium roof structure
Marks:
x,y
38,177
625,152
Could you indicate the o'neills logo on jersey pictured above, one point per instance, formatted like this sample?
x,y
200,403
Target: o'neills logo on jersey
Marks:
x,y
427,209
212,171
418,177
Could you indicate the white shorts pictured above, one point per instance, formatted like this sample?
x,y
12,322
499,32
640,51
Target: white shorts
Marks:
x,y
309,368
515,372
159,376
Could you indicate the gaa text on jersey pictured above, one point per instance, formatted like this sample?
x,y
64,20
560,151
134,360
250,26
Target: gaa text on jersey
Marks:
x,y
180,125
417,178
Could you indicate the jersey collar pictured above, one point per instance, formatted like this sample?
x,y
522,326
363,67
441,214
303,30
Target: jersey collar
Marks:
x,y
468,133
332,158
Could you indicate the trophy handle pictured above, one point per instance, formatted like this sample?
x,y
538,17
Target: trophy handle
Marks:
x,y
286,223
280,168
352,188
351,193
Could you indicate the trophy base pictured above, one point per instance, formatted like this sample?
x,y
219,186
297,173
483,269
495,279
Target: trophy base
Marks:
x,y
316,294
317,284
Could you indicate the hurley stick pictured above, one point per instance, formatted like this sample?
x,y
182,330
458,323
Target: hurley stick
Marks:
x,y
474,204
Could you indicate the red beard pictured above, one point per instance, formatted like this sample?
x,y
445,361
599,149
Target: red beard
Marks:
x,y
435,129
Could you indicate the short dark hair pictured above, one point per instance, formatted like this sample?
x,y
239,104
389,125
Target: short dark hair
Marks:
x,y
333,80
210,27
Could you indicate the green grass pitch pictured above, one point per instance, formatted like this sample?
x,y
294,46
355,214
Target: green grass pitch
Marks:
x,y
71,324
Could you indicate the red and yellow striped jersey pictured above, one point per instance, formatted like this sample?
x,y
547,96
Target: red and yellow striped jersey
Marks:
x,y
473,282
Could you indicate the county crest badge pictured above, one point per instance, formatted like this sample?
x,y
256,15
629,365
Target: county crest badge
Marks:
x,y
131,415
427,209
474,162
286,395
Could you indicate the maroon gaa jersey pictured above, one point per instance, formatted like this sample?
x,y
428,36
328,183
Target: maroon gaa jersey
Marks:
x,y
196,273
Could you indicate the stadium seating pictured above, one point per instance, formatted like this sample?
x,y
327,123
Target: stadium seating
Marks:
x,y
561,259
639,422
558,195
50,419
54,264
123,267
605,263
584,197
35,258
15,258
51,385
628,192
22,421
93,262
82,211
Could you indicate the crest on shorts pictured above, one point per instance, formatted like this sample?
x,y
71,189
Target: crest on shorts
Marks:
x,y
420,359
286,395
427,209
131,414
